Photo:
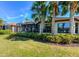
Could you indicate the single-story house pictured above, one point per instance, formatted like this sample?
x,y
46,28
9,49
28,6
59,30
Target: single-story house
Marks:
x,y
61,25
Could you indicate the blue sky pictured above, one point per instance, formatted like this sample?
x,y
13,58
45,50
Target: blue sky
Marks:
x,y
17,11
12,11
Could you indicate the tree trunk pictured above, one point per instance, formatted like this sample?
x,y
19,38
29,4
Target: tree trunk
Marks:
x,y
73,8
72,24
54,25
42,26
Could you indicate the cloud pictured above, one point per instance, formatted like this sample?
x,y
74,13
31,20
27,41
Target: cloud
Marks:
x,y
9,17
21,15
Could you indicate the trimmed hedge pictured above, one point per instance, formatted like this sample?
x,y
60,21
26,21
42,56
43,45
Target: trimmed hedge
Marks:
x,y
59,38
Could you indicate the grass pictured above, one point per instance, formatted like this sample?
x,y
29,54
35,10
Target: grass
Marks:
x,y
32,48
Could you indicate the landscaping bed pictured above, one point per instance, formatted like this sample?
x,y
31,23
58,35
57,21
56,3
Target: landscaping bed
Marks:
x,y
58,39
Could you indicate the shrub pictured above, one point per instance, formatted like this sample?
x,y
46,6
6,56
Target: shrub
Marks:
x,y
50,38
62,38
32,35
54,38
59,38
67,38
42,37
5,32
76,40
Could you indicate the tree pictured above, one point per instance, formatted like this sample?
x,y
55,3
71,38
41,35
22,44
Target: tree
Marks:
x,y
53,10
39,13
72,7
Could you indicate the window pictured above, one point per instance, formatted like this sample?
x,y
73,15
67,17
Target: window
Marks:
x,y
63,27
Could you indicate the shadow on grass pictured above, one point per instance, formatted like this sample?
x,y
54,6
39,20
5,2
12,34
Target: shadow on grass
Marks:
x,y
13,37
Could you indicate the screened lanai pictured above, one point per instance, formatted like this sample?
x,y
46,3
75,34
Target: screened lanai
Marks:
x,y
63,25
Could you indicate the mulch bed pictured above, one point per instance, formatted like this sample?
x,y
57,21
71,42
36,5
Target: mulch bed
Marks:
x,y
65,45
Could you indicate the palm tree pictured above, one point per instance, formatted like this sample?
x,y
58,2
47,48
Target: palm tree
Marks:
x,y
39,13
72,7
53,11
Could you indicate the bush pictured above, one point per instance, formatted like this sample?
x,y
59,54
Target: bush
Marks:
x,y
54,39
76,40
62,38
67,38
42,37
50,38
5,32
59,38
32,35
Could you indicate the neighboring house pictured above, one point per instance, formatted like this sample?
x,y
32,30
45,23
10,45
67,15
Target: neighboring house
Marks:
x,y
15,27
3,27
12,27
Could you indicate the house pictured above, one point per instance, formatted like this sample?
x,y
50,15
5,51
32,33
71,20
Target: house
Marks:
x,y
62,25
12,26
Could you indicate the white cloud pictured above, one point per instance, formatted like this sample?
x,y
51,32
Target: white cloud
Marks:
x,y
12,17
21,15
26,15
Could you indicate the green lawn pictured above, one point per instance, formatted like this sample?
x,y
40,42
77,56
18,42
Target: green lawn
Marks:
x,y
33,48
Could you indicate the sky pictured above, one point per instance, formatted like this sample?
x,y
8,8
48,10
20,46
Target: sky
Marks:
x,y
15,11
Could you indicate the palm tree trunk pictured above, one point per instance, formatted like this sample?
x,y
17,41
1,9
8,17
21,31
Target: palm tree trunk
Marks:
x,y
72,22
42,26
54,25
54,28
